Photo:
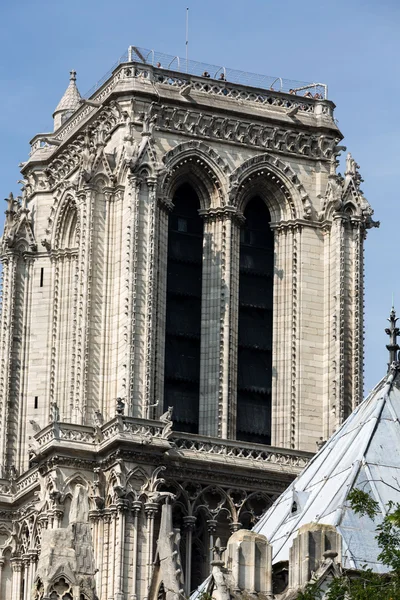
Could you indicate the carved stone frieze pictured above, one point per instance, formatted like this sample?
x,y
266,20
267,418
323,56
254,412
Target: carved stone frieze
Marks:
x,y
269,137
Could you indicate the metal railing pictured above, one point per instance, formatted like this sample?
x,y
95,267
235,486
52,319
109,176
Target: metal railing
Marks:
x,y
191,67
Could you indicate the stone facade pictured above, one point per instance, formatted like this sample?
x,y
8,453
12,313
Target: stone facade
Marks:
x,y
83,322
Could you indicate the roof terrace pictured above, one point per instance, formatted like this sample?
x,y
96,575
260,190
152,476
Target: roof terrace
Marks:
x,y
167,62
154,71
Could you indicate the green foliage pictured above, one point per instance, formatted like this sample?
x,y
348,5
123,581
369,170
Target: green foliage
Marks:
x,y
367,585
363,504
310,592
205,596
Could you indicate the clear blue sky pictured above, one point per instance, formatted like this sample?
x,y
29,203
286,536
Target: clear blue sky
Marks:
x,y
352,45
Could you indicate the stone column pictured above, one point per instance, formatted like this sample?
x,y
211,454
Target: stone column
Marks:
x,y
6,347
16,565
26,562
285,350
235,526
105,573
165,206
189,524
86,199
111,558
33,556
150,509
133,189
136,508
150,293
357,264
94,519
211,528
219,322
120,550
2,561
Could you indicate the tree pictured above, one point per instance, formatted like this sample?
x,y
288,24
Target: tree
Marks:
x,y
367,585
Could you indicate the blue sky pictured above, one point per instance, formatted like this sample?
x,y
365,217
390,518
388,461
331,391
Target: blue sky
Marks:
x,y
351,45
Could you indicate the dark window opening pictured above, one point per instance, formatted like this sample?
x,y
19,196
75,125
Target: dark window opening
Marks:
x,y
41,276
255,325
36,404
183,313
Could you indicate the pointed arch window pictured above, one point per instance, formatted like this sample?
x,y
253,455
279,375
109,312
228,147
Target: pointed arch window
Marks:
x,y
183,311
255,325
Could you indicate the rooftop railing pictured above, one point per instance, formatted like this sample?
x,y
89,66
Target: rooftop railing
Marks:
x,y
191,67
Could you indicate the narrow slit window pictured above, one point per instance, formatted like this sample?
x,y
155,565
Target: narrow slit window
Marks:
x,y
36,402
41,276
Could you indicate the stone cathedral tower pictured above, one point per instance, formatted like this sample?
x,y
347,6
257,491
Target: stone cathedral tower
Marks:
x,y
182,321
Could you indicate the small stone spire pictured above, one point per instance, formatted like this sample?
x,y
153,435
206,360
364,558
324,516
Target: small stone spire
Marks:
x,y
68,103
393,331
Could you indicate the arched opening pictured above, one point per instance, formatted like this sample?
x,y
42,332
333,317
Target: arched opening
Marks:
x,y
255,325
183,311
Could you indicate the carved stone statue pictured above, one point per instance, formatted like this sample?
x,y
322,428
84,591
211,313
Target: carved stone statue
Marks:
x,y
33,447
35,426
166,418
120,407
98,418
54,413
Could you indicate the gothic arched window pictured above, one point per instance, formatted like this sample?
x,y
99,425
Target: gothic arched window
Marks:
x,y
255,325
183,312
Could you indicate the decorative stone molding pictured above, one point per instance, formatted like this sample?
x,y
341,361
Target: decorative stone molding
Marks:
x,y
248,133
202,165
274,173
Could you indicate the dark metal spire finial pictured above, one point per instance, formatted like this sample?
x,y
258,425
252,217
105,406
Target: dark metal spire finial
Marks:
x,y
392,332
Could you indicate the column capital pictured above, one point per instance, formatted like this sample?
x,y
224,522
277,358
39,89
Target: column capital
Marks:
x,y
151,509
189,523
136,506
16,563
235,526
221,213
212,525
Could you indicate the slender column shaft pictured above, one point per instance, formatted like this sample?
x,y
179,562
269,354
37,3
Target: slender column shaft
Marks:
x,y
112,557
16,565
212,527
189,523
1,570
120,552
136,508
151,511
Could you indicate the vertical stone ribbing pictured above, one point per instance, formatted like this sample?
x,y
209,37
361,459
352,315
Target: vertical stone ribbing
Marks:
x,y
294,409
21,453
103,312
86,201
15,390
328,330
134,190
130,302
233,323
341,324
150,303
7,330
164,207
210,409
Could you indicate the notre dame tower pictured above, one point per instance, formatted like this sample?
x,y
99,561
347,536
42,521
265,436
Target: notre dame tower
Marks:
x,y
182,321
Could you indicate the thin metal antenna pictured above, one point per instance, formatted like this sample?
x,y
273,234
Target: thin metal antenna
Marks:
x,y
187,38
